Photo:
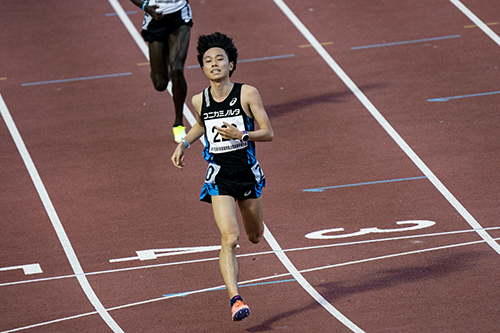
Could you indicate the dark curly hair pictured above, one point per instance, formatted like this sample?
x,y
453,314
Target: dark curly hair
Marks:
x,y
217,39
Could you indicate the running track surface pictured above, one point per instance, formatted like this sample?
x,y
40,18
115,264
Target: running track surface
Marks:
x,y
384,111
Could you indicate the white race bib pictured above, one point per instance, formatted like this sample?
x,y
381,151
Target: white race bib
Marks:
x,y
217,143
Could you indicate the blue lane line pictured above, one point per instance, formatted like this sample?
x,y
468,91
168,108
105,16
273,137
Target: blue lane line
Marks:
x,y
445,99
404,42
269,58
239,286
321,189
255,59
75,79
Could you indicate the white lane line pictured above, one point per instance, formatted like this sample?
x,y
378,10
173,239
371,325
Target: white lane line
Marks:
x,y
27,269
144,48
130,27
50,322
306,285
387,127
476,21
252,254
54,218
265,278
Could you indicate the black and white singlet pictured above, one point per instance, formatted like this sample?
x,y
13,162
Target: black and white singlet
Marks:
x,y
223,152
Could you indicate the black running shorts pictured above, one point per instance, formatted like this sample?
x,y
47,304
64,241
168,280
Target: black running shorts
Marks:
x,y
160,30
241,184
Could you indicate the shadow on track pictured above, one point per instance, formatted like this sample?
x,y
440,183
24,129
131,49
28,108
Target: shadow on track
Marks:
x,y
278,110
383,279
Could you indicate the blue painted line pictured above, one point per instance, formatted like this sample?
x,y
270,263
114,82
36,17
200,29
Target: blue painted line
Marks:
x,y
404,42
239,286
128,13
445,99
255,59
321,189
268,58
75,79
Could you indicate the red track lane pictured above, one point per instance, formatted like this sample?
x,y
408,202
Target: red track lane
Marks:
x,y
102,149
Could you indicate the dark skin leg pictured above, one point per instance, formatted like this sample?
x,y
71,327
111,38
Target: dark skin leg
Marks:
x,y
167,63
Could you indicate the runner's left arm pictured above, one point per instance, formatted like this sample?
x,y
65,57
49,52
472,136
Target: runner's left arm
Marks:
x,y
251,98
252,104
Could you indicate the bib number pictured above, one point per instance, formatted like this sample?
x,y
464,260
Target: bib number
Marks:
x,y
217,143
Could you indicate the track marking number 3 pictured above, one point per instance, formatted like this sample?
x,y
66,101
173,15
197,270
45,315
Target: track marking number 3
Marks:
x,y
416,224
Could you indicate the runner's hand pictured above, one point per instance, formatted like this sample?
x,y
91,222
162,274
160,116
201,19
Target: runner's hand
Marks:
x,y
151,10
228,131
178,156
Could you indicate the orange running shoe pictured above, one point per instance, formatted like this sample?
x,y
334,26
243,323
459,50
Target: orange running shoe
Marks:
x,y
240,311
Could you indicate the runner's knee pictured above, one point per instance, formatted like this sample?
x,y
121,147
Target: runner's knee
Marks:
x,y
177,74
230,239
255,238
160,83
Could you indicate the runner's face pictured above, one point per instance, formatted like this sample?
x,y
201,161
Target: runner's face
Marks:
x,y
216,64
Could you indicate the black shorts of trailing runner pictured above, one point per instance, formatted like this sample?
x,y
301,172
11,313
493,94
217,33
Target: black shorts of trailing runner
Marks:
x,y
160,30
241,184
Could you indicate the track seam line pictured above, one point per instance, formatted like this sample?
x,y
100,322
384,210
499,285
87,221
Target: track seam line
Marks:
x,y
54,219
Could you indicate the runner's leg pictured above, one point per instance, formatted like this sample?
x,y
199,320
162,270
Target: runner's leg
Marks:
x,y
158,59
251,212
224,209
178,46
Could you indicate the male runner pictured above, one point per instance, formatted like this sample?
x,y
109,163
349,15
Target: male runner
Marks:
x,y
167,29
225,114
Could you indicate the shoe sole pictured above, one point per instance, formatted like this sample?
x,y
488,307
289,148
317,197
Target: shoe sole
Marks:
x,y
241,314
